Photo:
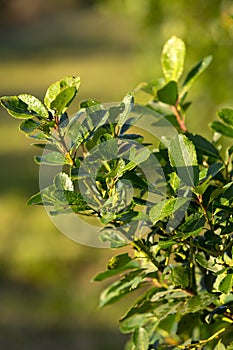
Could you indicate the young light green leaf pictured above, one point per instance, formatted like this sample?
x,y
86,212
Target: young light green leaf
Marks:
x,y
118,261
183,158
60,94
169,93
172,59
114,238
221,128
141,339
225,285
226,114
194,74
220,346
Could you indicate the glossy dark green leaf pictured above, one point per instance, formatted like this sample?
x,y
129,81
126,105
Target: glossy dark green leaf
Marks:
x,y
35,199
172,59
29,125
110,273
226,114
118,261
179,276
169,93
63,100
194,74
221,128
203,146
15,107
88,103
183,158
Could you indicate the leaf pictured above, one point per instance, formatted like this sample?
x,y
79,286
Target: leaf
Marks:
x,y
180,276
166,208
34,105
169,93
226,284
203,146
52,158
118,261
172,59
128,102
226,114
194,74
220,346
88,103
110,273
221,128
29,125
210,264
15,107
140,339
119,289
63,100
63,182
35,200
230,346
60,94
114,238
182,156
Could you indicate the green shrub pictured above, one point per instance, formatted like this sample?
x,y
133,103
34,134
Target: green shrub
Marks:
x,y
167,196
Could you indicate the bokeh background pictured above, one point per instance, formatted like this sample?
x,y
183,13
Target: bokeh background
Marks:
x,y
46,298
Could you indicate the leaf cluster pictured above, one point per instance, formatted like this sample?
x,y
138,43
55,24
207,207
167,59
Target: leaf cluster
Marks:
x,y
182,260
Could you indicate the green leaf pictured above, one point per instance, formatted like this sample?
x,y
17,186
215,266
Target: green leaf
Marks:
x,y
88,103
63,182
226,114
60,94
115,239
221,128
210,264
34,105
194,74
172,59
220,346
35,200
182,155
110,273
230,346
15,107
203,146
118,261
179,276
52,158
166,208
29,125
226,284
119,289
169,93
140,339
63,100
128,102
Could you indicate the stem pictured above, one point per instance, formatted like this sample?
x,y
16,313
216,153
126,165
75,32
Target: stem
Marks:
x,y
179,119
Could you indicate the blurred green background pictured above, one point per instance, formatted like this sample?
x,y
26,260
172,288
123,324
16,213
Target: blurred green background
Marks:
x,y
46,298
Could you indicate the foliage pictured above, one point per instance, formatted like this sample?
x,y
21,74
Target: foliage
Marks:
x,y
183,263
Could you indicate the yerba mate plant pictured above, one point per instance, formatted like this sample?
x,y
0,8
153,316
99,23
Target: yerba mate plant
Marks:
x,y
144,182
